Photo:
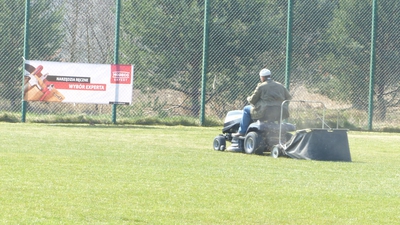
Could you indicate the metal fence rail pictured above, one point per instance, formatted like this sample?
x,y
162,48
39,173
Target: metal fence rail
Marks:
x,y
334,51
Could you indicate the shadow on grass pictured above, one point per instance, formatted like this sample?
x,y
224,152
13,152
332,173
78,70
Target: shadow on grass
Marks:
x,y
106,126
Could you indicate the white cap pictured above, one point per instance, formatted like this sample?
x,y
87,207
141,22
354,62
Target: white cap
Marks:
x,y
265,72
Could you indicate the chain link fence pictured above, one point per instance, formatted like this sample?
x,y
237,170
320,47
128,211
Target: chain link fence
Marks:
x,y
163,39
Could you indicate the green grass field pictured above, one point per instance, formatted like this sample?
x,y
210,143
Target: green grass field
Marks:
x,y
79,174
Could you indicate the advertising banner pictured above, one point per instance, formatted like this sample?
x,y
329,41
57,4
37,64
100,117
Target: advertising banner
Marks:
x,y
78,82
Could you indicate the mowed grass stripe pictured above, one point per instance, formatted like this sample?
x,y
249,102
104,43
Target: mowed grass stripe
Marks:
x,y
78,174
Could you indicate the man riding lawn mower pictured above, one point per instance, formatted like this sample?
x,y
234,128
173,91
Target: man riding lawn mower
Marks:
x,y
263,135
260,127
266,108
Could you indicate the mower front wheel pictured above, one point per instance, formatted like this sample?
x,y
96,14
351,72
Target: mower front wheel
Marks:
x,y
219,143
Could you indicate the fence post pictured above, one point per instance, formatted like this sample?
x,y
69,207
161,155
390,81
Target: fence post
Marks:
x,y
372,63
205,61
116,51
289,43
26,56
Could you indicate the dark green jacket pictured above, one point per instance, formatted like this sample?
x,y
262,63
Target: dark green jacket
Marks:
x,y
267,93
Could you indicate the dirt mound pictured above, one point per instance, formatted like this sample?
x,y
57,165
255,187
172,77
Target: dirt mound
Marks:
x,y
302,93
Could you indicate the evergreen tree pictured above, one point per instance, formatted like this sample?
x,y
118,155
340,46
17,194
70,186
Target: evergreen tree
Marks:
x,y
346,68
45,40
164,39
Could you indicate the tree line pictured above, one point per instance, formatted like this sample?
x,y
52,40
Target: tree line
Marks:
x,y
163,39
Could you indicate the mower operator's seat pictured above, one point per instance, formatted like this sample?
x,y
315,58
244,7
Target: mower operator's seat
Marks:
x,y
273,113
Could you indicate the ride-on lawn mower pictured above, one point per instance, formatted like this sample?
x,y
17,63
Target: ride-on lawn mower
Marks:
x,y
262,136
274,135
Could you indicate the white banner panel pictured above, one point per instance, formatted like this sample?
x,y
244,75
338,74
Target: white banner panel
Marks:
x,y
78,82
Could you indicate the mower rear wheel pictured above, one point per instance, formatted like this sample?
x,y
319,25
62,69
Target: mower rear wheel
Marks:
x,y
252,143
219,143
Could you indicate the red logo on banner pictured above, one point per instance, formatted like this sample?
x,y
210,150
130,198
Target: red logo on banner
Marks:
x,y
121,74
